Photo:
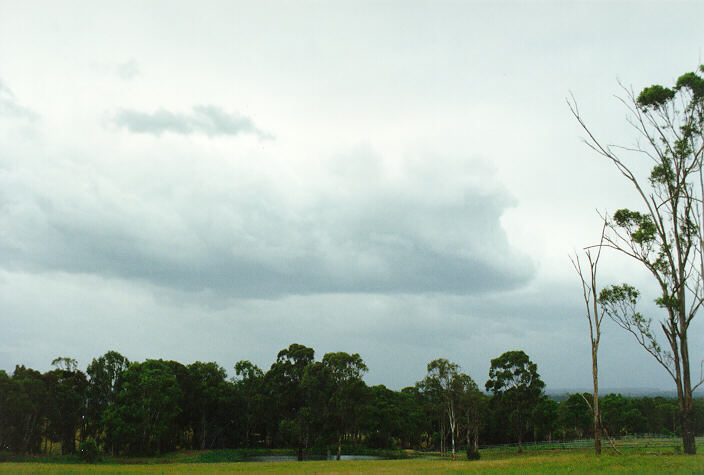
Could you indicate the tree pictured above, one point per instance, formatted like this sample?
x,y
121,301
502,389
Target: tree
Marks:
x,y
285,391
458,400
204,394
65,364
516,384
433,410
416,426
472,406
6,389
105,375
595,315
315,418
146,407
574,414
437,385
23,410
618,413
443,377
666,237
384,417
249,386
345,373
66,386
545,418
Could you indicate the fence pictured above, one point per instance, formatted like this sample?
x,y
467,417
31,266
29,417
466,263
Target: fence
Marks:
x,y
642,441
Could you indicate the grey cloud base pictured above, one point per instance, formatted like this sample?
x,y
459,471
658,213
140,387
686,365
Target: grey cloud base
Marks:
x,y
252,240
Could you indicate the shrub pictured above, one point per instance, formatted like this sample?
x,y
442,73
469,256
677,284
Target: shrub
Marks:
x,y
88,451
472,454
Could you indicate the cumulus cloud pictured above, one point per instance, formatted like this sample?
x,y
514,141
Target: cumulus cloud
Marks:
x,y
249,237
204,119
10,107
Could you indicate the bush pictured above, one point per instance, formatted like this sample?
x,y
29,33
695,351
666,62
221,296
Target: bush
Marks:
x,y
472,454
88,451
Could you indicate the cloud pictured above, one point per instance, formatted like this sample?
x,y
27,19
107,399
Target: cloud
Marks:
x,y
204,119
128,70
245,235
155,123
10,107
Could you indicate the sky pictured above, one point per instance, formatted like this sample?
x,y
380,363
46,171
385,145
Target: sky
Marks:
x,y
400,179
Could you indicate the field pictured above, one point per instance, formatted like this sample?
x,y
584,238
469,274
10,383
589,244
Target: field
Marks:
x,y
575,461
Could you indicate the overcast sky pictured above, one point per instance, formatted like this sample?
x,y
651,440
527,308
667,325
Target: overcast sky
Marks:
x,y
399,179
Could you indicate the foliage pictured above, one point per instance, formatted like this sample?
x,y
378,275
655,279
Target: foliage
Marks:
x,y
545,418
574,415
517,388
146,408
23,412
105,375
204,389
444,384
66,387
157,406
88,450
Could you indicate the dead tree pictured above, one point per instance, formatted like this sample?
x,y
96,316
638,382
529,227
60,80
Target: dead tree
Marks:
x,y
595,314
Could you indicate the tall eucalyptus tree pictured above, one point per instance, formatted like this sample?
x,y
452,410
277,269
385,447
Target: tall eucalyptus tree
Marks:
x,y
666,235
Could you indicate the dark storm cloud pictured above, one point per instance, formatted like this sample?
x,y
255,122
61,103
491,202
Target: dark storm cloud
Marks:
x,y
204,119
10,107
254,243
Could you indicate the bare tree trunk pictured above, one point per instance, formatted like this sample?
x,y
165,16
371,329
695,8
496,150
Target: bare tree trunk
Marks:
x,y
453,427
595,404
442,435
688,439
687,407
594,317
469,439
518,426
299,456
203,429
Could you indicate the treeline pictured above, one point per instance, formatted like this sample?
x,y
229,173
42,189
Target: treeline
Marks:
x,y
157,406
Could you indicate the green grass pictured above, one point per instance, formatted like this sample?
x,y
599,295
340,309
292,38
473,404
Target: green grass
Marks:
x,y
188,456
545,462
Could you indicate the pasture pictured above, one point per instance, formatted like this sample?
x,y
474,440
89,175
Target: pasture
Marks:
x,y
504,461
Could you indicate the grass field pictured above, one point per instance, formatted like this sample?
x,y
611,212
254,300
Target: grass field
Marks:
x,y
552,462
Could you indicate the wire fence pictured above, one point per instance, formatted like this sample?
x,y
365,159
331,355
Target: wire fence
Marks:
x,y
641,441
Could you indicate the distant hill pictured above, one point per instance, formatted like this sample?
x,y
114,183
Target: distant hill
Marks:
x,y
558,394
